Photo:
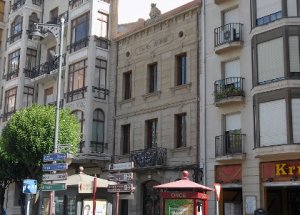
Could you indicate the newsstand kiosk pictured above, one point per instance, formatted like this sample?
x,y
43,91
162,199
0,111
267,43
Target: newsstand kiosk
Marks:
x,y
184,197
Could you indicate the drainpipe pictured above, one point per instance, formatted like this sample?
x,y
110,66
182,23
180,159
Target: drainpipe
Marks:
x,y
198,101
203,93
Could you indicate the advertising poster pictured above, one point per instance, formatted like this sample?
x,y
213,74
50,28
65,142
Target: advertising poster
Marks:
x,y
101,207
179,207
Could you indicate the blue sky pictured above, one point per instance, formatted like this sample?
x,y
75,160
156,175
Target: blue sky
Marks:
x,y
131,10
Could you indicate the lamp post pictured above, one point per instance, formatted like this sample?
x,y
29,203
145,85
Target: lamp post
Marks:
x,y
57,31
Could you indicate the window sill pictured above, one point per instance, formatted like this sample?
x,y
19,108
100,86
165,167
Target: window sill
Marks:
x,y
149,95
181,149
126,101
180,87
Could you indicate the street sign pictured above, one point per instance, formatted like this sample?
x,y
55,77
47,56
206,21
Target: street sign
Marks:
x,y
85,187
128,176
55,167
55,177
52,187
122,188
55,157
29,186
121,166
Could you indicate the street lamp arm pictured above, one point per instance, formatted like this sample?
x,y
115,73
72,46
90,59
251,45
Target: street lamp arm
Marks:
x,y
55,29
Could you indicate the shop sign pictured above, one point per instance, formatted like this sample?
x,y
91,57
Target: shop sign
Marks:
x,y
85,187
184,195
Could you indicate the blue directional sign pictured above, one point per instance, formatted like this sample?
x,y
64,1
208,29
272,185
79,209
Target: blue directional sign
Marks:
x,y
55,157
29,186
55,167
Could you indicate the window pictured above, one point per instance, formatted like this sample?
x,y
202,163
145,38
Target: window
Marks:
x,y
268,11
53,15
98,131
33,18
51,53
270,60
30,58
181,69
272,123
102,25
49,96
16,29
233,138
125,142
99,87
80,32
127,85
13,65
296,119
294,54
152,77
180,121
2,6
10,102
36,2
76,77
28,96
151,126
79,116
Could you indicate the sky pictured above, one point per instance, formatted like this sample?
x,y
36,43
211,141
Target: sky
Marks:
x,y
132,10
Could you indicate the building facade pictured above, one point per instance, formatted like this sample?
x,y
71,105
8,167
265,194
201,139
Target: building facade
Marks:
x,y
157,102
252,102
30,71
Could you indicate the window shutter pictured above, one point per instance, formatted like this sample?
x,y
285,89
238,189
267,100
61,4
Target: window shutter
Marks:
x,y
272,120
292,7
294,54
296,120
267,7
233,122
232,69
270,60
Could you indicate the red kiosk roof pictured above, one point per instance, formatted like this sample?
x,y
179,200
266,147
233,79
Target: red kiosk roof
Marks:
x,y
183,183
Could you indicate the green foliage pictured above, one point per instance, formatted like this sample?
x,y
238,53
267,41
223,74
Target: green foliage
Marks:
x,y
226,92
29,134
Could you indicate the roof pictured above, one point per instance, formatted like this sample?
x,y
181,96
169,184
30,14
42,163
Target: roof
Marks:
x,y
184,183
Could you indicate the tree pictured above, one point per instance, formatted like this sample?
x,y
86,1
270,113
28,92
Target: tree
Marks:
x,y
29,134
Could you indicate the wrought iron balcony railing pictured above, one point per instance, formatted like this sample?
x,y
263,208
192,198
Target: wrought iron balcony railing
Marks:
x,y
76,3
78,45
44,68
61,103
5,116
231,32
97,147
11,75
56,20
229,87
102,42
37,2
18,4
149,157
76,94
100,93
15,37
229,144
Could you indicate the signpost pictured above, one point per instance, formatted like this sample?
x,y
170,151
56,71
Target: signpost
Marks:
x,y
55,177
122,188
127,176
55,157
51,187
55,167
121,166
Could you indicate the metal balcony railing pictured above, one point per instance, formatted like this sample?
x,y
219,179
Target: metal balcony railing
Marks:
x,y
102,42
18,4
44,68
100,93
5,116
61,103
76,94
149,157
229,144
97,147
76,3
37,2
11,75
56,20
229,87
228,33
15,37
78,45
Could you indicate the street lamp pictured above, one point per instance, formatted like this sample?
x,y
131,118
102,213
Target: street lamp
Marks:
x,y
57,30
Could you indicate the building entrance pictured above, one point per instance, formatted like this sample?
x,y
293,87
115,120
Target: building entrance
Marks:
x,y
283,200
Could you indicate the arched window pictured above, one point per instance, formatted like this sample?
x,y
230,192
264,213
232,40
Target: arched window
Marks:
x,y
79,115
97,143
16,29
33,18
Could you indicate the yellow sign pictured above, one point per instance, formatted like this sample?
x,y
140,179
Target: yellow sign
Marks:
x,y
284,169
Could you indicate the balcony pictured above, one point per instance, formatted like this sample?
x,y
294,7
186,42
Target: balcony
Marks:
x,y
6,116
229,91
76,94
37,2
98,147
100,93
56,21
18,4
78,45
102,42
76,3
44,68
228,37
150,157
15,37
11,75
229,146
61,103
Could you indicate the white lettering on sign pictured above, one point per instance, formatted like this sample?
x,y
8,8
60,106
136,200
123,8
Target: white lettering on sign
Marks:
x,y
85,187
178,195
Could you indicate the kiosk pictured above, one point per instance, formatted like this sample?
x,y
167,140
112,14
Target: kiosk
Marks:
x,y
184,197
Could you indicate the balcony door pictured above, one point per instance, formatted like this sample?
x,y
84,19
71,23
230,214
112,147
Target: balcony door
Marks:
x,y
231,17
232,74
233,139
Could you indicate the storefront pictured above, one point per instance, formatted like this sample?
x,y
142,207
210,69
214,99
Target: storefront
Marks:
x,y
281,186
231,198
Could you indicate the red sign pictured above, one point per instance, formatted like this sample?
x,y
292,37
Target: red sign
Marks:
x,y
229,174
184,195
218,190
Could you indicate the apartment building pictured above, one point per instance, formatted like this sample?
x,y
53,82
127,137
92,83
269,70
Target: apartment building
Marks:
x,y
252,102
157,110
30,72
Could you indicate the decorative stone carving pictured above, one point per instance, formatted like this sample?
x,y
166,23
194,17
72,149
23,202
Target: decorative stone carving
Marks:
x,y
154,12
